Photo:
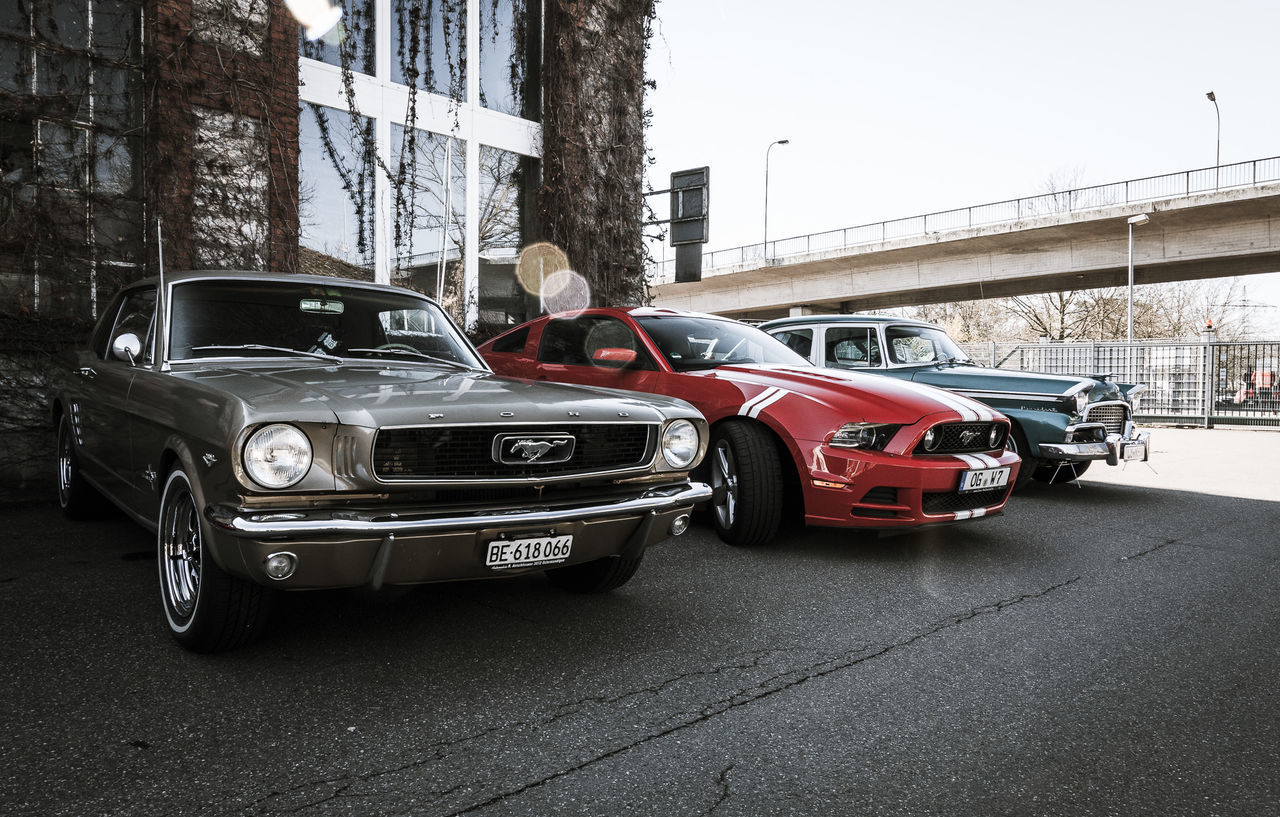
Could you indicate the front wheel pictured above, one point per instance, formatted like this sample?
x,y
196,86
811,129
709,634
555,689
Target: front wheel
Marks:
x,y
1056,473
599,576
746,484
77,498
1017,443
208,610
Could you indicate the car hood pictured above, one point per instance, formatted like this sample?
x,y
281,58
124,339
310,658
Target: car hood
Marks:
x,y
977,378
368,395
854,394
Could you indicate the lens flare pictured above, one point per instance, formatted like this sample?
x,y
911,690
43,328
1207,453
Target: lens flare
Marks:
x,y
566,291
539,262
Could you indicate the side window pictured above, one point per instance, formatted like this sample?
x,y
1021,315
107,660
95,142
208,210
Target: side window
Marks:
x,y
852,347
799,341
575,341
512,342
136,316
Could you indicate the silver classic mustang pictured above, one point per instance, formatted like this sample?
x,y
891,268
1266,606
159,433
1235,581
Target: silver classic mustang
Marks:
x,y
298,432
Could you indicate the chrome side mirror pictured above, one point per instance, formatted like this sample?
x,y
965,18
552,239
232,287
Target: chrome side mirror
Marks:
x,y
127,347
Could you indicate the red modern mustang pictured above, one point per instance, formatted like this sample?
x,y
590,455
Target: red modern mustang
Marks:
x,y
847,449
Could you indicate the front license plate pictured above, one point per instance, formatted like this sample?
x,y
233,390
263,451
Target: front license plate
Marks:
x,y
1135,451
503,554
984,478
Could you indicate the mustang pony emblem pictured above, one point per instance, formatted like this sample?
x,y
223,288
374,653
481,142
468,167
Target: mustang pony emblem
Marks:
x,y
533,450
520,449
969,436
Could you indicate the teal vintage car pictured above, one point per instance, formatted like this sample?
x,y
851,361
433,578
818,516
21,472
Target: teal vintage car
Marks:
x,y
1060,423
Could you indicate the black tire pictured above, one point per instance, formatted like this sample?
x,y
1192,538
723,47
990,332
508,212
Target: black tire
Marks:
x,y
1017,443
207,609
79,500
1056,473
599,576
745,473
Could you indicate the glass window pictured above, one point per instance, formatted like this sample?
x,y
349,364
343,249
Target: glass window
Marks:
x,y
228,318
512,342
505,56
430,214
117,30
136,317
799,341
921,344
704,343
428,53
505,180
852,347
336,180
575,341
353,37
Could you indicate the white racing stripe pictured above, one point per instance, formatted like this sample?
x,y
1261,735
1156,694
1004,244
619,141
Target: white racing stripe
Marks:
x,y
761,401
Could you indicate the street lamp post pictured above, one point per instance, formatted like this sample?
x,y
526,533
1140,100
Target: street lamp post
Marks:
x,y
765,249
1135,221
1217,156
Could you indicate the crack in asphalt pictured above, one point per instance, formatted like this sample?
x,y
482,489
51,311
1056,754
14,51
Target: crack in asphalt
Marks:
x,y
1149,550
768,689
723,782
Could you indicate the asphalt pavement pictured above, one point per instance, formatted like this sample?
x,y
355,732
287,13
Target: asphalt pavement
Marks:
x,y
1111,648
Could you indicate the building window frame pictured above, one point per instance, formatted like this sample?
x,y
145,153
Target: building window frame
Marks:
x,y
387,103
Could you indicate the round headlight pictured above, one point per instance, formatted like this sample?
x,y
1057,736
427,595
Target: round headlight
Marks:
x,y
277,456
1082,400
930,440
993,438
680,443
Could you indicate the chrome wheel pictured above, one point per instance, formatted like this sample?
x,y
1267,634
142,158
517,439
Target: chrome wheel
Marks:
x,y
180,551
724,484
66,463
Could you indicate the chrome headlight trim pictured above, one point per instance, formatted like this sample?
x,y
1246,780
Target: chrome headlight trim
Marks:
x,y
277,456
680,444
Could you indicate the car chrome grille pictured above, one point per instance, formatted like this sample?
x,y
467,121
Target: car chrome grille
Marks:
x,y
466,452
962,438
1111,415
954,501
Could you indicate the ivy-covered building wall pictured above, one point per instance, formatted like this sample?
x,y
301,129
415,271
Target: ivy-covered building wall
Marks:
x,y
428,143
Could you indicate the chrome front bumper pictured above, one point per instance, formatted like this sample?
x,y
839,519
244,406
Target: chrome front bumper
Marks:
x,y
1116,449
313,523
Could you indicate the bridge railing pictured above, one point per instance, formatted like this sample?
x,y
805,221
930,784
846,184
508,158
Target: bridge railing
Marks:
x,y
1207,383
1133,191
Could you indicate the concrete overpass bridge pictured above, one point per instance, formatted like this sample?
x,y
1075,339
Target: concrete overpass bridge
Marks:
x,y
1207,223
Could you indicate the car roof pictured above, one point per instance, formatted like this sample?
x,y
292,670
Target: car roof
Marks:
x,y
851,318
254,275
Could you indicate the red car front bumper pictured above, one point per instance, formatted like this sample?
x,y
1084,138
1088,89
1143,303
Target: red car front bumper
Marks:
x,y
872,489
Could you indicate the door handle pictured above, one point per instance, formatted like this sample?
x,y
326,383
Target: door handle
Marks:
x,y
87,371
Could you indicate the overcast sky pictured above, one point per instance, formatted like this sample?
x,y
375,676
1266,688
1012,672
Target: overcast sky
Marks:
x,y
900,109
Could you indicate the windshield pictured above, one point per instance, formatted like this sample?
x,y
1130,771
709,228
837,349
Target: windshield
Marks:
x,y
922,344
703,343
246,318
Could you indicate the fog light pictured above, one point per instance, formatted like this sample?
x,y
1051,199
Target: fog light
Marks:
x,y
680,524
280,566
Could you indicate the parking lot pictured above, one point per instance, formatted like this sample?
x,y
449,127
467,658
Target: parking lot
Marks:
x,y
1107,649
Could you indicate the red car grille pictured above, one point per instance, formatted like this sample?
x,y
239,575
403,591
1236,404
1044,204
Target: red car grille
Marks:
x,y
953,502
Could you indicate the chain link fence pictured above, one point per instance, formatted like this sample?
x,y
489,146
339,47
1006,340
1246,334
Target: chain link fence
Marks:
x,y
1207,383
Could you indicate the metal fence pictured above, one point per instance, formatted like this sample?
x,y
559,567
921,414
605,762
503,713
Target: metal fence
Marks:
x,y
1207,383
1133,191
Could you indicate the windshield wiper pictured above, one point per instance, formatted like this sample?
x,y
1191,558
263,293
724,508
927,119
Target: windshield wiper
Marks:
x,y
443,361
261,347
